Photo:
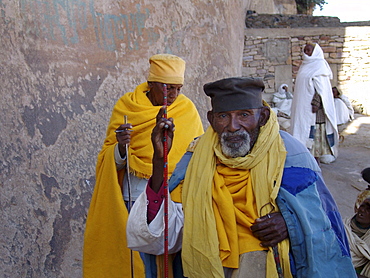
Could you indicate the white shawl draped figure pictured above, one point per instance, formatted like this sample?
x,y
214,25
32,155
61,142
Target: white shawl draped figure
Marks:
x,y
360,248
314,75
283,100
343,113
343,106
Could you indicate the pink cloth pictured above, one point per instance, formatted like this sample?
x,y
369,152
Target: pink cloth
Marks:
x,y
154,200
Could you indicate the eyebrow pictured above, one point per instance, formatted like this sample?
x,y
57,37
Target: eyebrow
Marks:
x,y
174,85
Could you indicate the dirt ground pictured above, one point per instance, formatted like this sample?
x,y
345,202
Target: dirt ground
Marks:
x,y
343,177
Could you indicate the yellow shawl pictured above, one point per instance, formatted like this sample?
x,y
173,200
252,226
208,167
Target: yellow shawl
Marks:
x,y
142,115
105,253
201,248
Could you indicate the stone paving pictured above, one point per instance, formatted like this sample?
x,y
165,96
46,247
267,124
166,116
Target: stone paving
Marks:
x,y
343,177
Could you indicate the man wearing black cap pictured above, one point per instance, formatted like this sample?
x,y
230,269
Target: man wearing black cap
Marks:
x,y
247,200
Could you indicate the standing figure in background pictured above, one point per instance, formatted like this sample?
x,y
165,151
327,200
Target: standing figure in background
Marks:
x,y
343,107
313,117
105,247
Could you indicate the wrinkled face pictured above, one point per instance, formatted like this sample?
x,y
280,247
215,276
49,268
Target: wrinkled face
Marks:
x,y
308,49
363,214
156,93
237,130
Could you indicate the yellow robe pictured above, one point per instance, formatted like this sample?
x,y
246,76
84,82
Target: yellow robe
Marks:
x,y
105,253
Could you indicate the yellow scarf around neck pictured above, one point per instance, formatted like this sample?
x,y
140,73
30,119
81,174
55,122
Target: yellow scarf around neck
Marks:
x,y
235,212
200,253
142,115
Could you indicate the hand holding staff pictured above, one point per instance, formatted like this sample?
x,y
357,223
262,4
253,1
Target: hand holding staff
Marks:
x,y
123,136
157,141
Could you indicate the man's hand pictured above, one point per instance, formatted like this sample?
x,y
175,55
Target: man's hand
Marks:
x,y
123,136
157,142
158,133
270,229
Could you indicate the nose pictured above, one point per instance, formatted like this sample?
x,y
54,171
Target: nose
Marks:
x,y
234,124
172,93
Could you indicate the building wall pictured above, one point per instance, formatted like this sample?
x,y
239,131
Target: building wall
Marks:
x,y
276,54
63,66
272,6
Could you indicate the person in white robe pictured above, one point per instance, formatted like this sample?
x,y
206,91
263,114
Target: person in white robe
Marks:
x,y
314,77
343,107
282,100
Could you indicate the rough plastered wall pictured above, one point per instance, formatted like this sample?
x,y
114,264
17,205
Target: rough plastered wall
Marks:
x,y
63,65
272,6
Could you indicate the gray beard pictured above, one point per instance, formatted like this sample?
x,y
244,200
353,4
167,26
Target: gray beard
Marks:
x,y
239,149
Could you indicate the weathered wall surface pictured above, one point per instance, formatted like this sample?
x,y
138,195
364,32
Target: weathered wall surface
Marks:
x,y
63,65
272,6
274,44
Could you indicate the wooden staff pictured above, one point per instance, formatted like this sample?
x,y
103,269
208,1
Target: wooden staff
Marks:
x,y
165,184
128,173
129,197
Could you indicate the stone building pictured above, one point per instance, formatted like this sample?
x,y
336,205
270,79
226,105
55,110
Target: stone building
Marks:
x,y
273,50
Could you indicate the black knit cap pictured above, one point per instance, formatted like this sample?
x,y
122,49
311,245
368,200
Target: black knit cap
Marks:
x,y
235,93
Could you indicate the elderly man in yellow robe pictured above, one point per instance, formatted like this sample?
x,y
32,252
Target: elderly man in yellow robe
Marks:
x,y
105,248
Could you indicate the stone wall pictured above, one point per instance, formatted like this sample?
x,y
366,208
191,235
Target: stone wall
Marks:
x,y
275,52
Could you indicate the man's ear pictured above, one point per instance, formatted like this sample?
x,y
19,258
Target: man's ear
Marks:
x,y
264,115
210,117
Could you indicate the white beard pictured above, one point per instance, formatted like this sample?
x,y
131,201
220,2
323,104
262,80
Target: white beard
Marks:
x,y
239,149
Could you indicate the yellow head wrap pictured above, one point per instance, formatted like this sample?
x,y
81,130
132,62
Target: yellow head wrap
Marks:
x,y
166,68
362,196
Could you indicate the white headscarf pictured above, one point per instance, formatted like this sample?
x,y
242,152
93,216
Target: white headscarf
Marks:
x,y
283,100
